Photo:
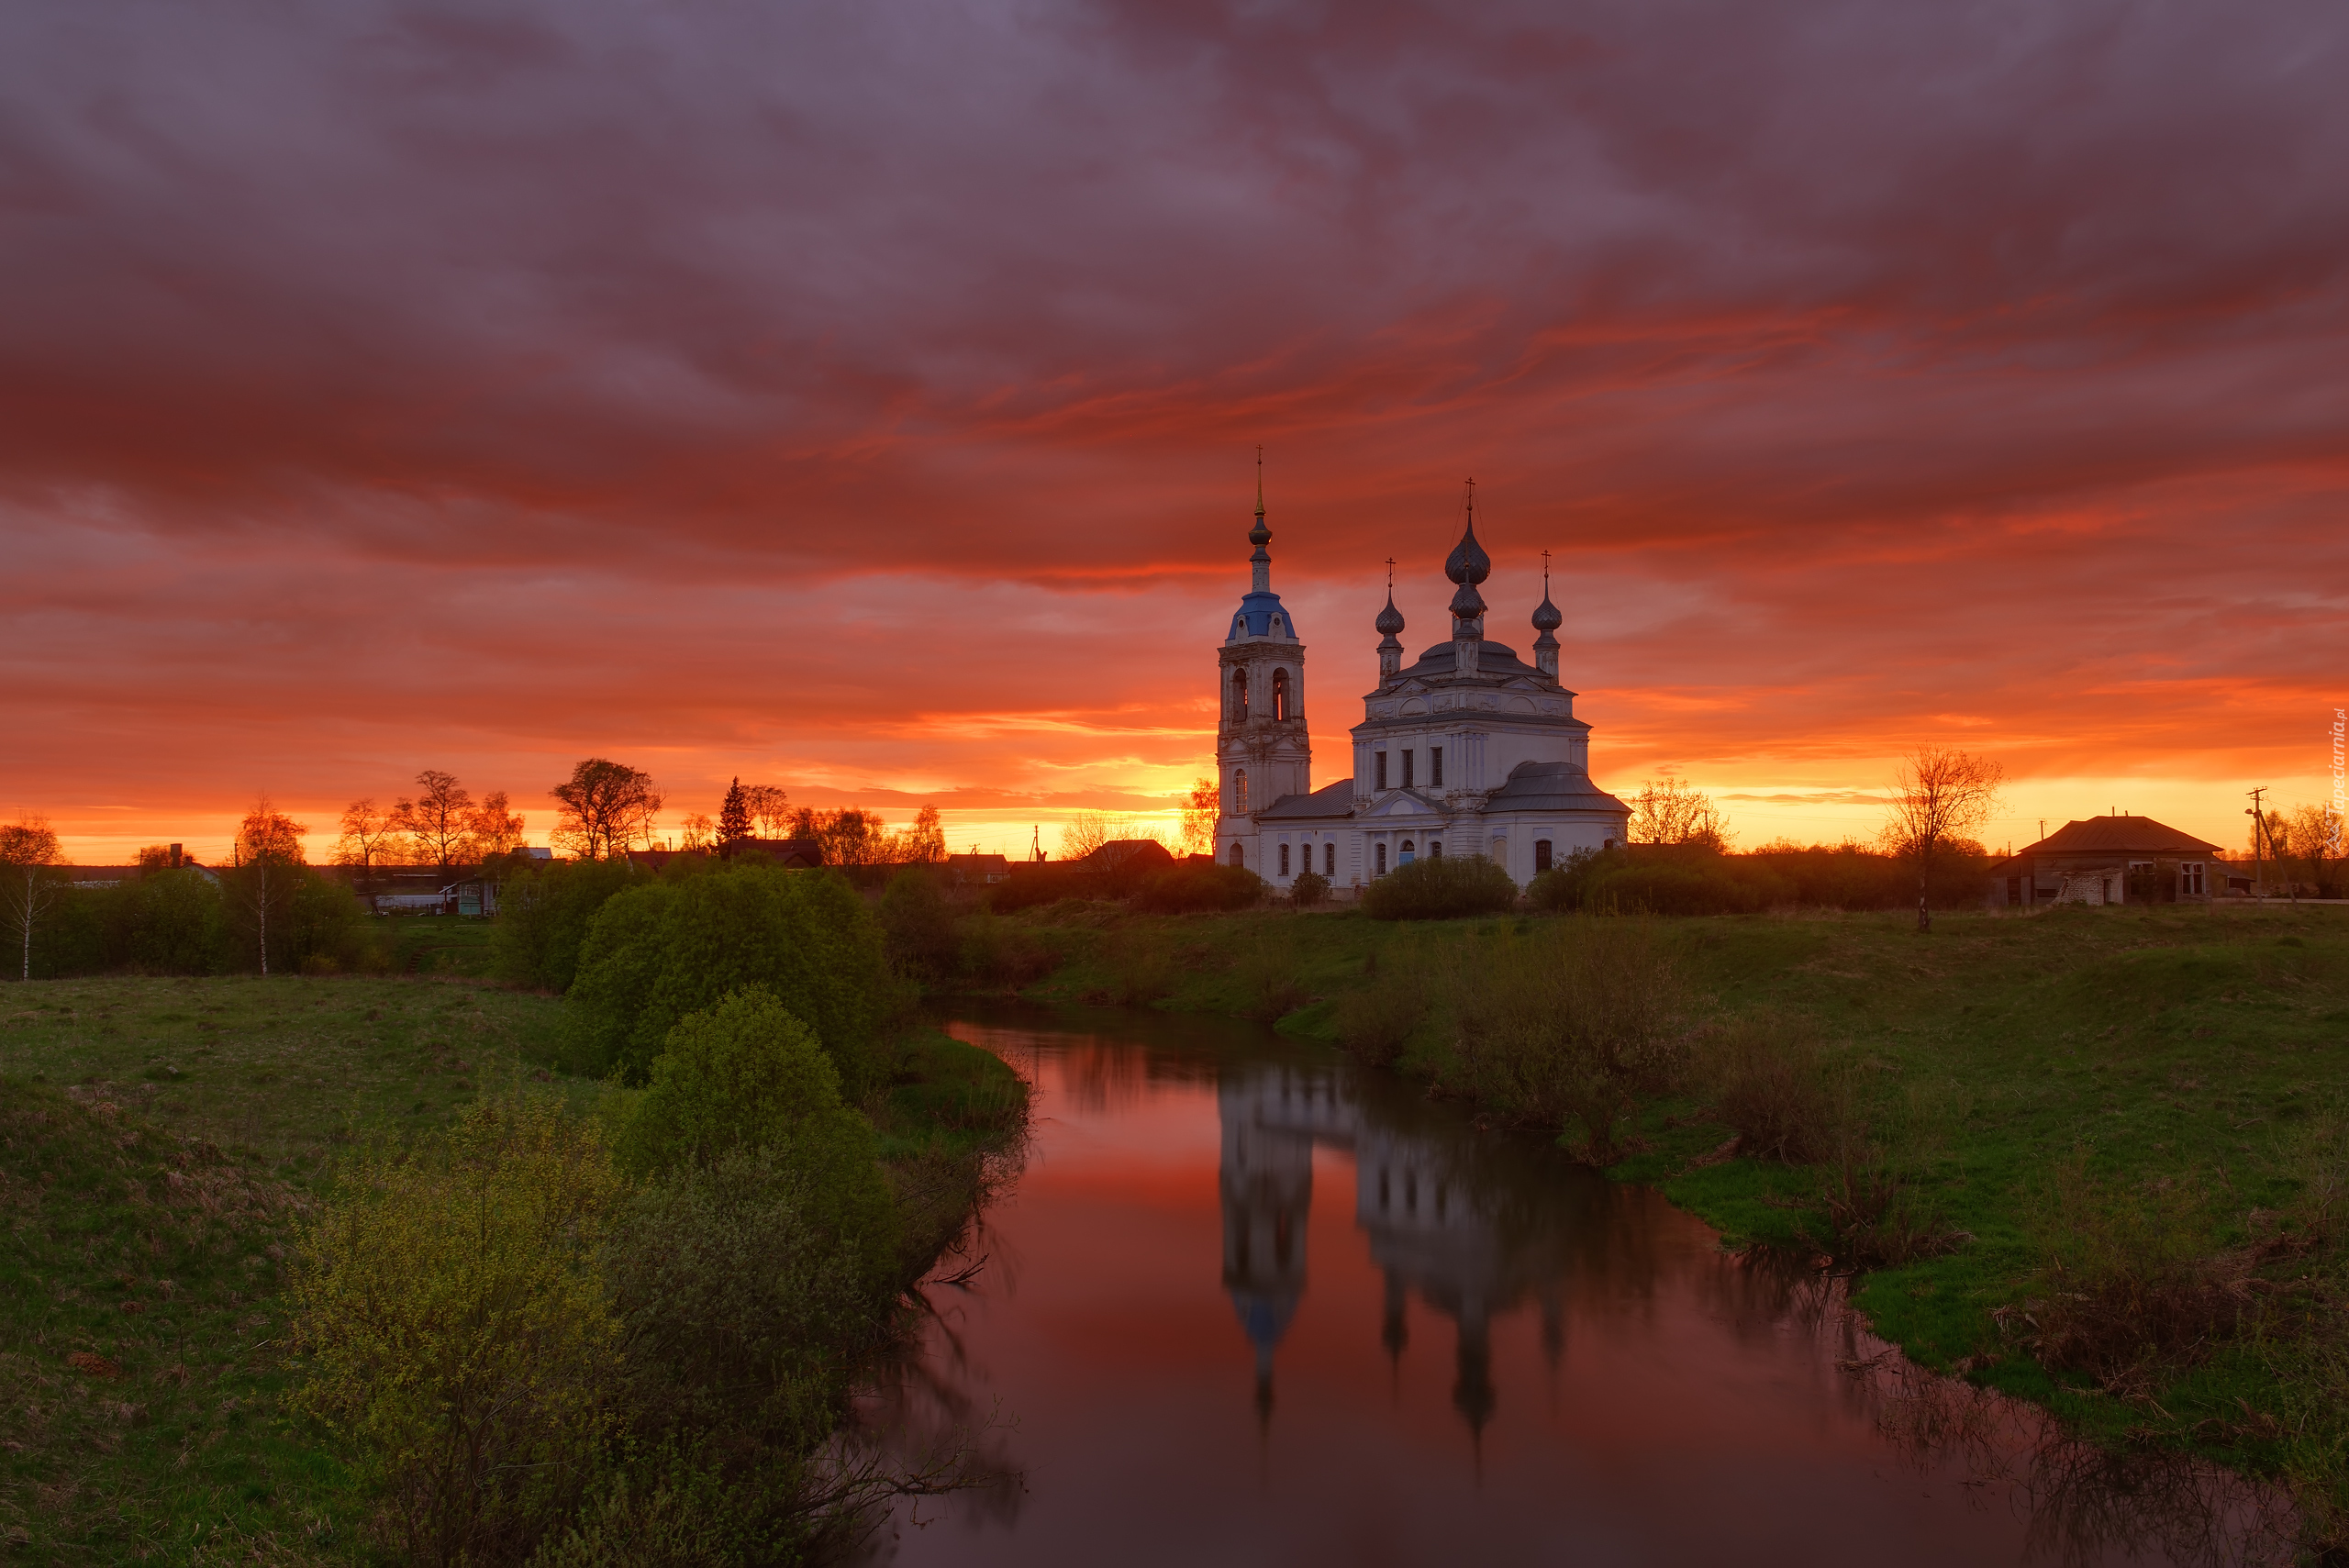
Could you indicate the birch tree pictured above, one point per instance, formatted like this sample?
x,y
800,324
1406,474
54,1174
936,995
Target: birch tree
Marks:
x,y
28,851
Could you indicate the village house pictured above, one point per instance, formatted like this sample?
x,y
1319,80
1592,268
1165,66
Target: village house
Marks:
x,y
2110,860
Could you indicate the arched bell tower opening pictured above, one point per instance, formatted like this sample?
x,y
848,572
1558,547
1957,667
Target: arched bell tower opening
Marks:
x,y
1262,752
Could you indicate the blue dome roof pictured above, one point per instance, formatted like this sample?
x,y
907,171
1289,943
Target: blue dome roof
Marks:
x,y
1255,617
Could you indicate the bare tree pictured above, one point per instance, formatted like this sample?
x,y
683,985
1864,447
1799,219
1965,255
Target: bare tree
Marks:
x,y
27,850
494,827
268,840
771,805
1940,795
368,835
696,832
436,820
1200,808
1667,811
1085,832
605,806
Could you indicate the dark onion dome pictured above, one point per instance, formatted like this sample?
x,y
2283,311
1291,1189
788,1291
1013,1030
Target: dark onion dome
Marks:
x,y
1260,536
1390,620
1468,561
1467,604
1546,617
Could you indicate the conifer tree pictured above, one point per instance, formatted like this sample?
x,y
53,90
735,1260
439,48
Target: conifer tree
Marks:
x,y
734,817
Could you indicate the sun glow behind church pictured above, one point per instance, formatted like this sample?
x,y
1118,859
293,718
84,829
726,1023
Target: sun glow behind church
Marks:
x,y
865,402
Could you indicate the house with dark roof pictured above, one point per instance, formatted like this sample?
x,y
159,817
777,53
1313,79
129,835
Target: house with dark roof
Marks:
x,y
2110,860
1467,751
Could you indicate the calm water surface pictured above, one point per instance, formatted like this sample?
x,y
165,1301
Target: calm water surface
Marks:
x,y
1246,1304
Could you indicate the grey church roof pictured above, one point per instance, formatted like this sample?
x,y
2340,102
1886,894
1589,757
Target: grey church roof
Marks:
x,y
1551,786
1492,659
1329,800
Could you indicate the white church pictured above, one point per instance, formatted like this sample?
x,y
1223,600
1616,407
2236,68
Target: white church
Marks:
x,y
1468,750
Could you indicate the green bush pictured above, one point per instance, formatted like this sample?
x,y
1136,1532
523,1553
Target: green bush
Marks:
x,y
543,914
1194,889
658,951
455,1329
1562,1026
1309,888
747,1074
1373,1020
1029,886
995,953
919,926
1566,886
1440,887
1771,1087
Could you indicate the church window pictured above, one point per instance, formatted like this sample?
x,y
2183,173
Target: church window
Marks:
x,y
1607,844
1238,855
1406,854
1541,855
1240,791
1435,766
1329,860
1284,860
1239,695
1378,760
1435,852
1379,858
1406,769
1280,695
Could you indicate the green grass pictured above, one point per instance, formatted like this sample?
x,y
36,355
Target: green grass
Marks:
x,y
2165,1047
163,1137
160,1139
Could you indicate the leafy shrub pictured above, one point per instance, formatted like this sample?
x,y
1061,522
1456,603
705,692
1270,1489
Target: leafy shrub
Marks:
x,y
1309,888
1030,885
543,915
747,1074
1196,889
1440,887
995,953
456,1330
919,926
658,951
1564,1026
1566,886
1141,966
1266,973
1373,1021
167,922
1770,1085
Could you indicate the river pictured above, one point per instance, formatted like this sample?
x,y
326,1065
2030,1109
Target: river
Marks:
x,y
1245,1304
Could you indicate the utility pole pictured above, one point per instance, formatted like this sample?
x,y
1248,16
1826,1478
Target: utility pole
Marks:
x,y
2258,828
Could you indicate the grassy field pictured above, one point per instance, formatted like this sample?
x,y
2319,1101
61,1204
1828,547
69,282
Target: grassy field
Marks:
x,y
159,1141
2175,1075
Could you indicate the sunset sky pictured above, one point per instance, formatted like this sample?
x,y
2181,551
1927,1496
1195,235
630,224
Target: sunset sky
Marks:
x,y
865,399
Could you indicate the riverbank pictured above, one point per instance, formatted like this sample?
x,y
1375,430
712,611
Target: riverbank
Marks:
x,y
2077,1104
162,1141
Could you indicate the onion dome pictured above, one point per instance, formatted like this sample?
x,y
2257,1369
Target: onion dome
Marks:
x,y
1546,615
1468,562
1467,604
1390,620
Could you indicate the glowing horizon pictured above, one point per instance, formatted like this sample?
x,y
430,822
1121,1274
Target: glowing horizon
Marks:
x,y
867,402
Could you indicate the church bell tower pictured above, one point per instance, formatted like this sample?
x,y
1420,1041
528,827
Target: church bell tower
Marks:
x,y
1261,748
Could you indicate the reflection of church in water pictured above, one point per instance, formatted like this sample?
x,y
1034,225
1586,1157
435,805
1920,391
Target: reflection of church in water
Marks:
x,y
1437,1223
